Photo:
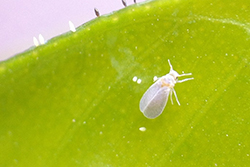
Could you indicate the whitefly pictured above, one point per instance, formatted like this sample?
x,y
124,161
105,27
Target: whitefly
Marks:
x,y
155,98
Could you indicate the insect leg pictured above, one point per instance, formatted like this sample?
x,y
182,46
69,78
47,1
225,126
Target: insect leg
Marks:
x,y
187,79
181,75
176,97
171,92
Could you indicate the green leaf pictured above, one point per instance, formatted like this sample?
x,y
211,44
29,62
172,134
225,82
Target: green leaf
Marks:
x,y
73,101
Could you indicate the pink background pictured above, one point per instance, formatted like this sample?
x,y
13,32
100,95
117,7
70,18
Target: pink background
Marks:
x,y
25,19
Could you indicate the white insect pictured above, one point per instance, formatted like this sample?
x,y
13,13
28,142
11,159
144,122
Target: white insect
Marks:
x,y
41,39
155,98
72,26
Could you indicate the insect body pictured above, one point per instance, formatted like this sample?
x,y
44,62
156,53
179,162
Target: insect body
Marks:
x,y
155,98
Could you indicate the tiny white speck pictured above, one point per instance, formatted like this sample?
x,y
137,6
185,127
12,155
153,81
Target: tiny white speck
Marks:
x,y
215,89
73,120
227,135
9,133
116,155
239,144
84,122
187,104
248,155
155,78
135,78
36,43
215,164
142,129
108,87
205,100
100,132
136,47
41,39
72,26
139,81
191,127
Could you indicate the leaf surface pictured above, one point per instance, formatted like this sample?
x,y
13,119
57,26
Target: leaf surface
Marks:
x,y
73,101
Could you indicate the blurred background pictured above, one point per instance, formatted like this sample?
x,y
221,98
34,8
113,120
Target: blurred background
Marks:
x,y
23,20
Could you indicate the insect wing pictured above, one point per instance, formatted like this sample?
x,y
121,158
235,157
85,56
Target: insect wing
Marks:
x,y
154,100
149,94
157,103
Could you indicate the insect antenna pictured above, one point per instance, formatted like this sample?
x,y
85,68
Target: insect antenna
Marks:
x,y
171,67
